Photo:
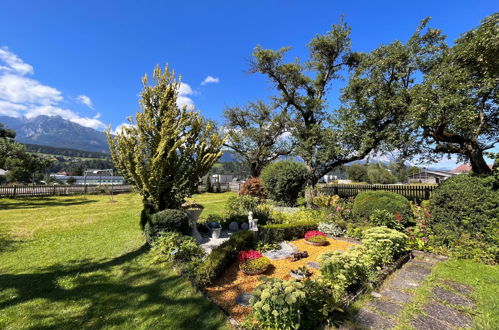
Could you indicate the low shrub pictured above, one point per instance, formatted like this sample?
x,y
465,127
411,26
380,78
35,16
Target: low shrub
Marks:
x,y
166,220
253,187
278,304
344,269
255,264
285,232
325,201
367,202
464,204
331,228
284,180
315,236
175,247
220,258
383,244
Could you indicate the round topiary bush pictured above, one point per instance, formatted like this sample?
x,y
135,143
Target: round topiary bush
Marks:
x,y
368,201
253,187
465,204
167,220
284,181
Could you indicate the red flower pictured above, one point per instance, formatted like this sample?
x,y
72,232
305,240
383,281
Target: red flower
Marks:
x,y
248,255
313,233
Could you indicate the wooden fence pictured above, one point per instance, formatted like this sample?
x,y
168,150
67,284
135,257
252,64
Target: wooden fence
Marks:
x,y
54,190
411,192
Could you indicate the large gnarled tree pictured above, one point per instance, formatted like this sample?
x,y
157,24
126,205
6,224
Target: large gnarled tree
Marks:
x,y
256,134
375,101
167,148
455,108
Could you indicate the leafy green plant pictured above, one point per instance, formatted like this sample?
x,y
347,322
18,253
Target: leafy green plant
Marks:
x,y
385,218
278,304
258,264
284,180
325,201
367,202
343,269
264,247
331,228
285,232
383,244
167,220
464,204
175,247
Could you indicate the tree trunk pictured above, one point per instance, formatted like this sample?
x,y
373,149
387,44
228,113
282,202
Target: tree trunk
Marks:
x,y
478,163
255,170
310,189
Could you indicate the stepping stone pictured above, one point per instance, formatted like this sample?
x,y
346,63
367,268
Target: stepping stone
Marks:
x,y
286,251
451,297
402,283
461,288
397,296
370,320
413,268
313,264
421,263
447,314
405,273
244,226
233,226
386,307
243,299
428,323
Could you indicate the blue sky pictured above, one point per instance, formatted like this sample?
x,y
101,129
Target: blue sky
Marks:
x,y
84,59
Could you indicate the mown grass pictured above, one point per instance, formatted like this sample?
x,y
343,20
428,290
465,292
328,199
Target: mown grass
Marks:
x,y
214,203
484,279
73,262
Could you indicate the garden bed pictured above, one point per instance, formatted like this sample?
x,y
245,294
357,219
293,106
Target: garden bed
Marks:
x,y
234,282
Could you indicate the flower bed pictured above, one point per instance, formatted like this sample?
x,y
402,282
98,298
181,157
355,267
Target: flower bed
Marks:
x,y
315,237
234,282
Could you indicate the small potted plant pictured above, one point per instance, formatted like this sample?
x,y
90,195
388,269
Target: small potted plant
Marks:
x,y
300,273
315,237
253,262
216,229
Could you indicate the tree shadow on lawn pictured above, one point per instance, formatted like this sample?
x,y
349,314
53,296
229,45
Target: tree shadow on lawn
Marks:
x,y
119,292
41,202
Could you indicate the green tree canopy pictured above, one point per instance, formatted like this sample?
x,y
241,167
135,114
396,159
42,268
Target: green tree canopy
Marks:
x,y
167,148
256,134
455,107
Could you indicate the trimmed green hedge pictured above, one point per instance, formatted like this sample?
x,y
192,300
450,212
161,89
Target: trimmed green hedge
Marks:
x,y
220,258
286,232
367,201
166,220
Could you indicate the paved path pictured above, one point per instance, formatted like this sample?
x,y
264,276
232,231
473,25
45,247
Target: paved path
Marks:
x,y
440,312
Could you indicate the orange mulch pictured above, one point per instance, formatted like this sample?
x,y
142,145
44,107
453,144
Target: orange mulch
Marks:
x,y
234,282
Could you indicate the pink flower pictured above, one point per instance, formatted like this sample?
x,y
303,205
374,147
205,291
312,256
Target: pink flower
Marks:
x,y
347,210
338,208
248,255
313,233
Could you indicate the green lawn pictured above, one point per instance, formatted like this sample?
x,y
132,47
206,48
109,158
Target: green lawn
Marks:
x,y
484,280
214,203
71,262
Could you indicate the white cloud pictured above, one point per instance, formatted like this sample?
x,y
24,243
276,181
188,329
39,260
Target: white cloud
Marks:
x,y
83,99
210,80
14,63
120,127
182,98
23,96
19,89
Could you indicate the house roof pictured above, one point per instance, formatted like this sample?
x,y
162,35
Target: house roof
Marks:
x,y
464,168
2,171
437,173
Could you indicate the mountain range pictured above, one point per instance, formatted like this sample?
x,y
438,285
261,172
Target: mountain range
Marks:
x,y
55,131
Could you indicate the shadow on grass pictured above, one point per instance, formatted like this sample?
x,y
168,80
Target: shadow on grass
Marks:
x,y
115,293
7,244
42,202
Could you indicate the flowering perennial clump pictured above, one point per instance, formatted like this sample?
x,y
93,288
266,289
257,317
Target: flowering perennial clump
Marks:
x,y
249,255
313,233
